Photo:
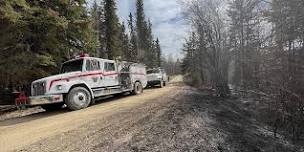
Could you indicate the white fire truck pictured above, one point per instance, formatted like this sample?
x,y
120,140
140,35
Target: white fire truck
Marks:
x,y
85,79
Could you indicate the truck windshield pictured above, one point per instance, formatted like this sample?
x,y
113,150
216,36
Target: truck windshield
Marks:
x,y
153,71
72,66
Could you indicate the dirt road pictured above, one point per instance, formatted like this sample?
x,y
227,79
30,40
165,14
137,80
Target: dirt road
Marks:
x,y
175,118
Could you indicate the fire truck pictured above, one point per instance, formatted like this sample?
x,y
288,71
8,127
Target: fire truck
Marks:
x,y
84,80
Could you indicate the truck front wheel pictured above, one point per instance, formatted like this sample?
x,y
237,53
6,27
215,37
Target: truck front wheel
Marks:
x,y
78,98
138,88
161,84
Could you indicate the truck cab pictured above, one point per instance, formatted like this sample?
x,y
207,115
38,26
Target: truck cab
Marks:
x,y
83,80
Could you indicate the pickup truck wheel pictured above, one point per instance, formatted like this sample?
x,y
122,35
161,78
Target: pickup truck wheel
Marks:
x,y
138,88
78,98
52,107
161,84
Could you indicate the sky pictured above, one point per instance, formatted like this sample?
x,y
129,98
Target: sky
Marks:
x,y
167,20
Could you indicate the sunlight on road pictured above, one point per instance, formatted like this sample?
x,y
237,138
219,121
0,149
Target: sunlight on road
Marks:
x,y
176,79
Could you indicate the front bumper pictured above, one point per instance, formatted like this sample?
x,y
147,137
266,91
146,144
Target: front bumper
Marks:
x,y
46,99
154,82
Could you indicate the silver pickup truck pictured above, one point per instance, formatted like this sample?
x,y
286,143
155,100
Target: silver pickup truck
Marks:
x,y
158,77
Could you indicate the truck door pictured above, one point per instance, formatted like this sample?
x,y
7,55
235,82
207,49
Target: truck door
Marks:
x,y
110,74
93,73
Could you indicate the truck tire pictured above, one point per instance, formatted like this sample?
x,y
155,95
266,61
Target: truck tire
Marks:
x,y
138,88
78,98
161,84
52,107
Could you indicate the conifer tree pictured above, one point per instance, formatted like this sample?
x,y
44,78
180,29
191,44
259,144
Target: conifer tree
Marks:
x,y
133,39
52,31
158,53
146,48
41,35
112,27
141,29
150,53
96,17
125,46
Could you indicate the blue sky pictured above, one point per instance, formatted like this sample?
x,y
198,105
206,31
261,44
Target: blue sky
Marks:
x,y
166,17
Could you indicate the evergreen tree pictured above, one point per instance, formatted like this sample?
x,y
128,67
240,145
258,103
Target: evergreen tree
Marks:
x,y
96,15
125,44
158,53
146,48
112,27
191,61
141,29
42,34
150,55
133,40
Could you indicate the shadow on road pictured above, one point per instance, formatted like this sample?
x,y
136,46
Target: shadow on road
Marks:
x,y
38,113
31,117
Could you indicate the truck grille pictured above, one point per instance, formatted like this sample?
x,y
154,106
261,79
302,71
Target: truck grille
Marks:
x,y
39,88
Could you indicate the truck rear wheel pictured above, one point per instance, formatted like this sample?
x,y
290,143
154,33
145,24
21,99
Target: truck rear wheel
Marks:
x,y
138,88
78,98
52,107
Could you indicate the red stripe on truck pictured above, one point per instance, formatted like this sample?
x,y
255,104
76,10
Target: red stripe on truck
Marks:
x,y
77,76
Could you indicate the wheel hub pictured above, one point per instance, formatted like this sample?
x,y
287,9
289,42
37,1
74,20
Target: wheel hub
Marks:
x,y
80,98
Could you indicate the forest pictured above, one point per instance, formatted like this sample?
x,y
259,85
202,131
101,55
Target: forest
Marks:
x,y
250,46
36,36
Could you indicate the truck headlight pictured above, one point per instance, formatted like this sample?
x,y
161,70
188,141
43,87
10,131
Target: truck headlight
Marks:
x,y
59,87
